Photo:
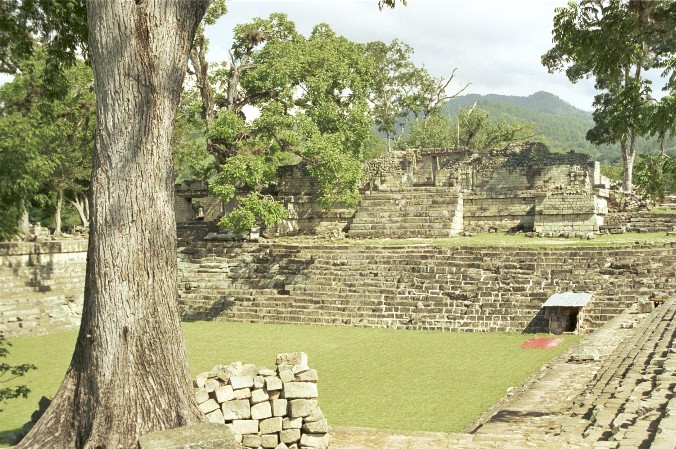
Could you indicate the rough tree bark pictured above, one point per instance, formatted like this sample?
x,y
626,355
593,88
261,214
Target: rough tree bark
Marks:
x,y
128,375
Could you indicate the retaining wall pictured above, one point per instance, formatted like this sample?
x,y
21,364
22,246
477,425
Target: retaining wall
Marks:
x,y
41,286
414,287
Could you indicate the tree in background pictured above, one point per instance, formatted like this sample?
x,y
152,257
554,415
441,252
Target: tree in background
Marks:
x,y
615,42
47,140
470,129
403,93
311,97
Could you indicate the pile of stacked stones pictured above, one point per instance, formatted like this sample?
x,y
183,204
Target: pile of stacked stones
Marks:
x,y
266,408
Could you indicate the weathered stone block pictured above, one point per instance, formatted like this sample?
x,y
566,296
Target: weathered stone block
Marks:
x,y
299,408
245,426
239,382
261,411
259,382
308,376
208,406
271,425
236,409
289,436
269,441
321,426
287,375
292,423
265,372
197,436
292,358
259,395
318,441
251,440
201,395
273,383
223,394
216,416
299,390
316,415
279,407
244,393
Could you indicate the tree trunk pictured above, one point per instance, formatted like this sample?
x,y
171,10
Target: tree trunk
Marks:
x,y
129,375
24,227
57,213
81,204
628,156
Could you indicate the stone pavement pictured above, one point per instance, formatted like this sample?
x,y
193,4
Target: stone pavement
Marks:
x,y
625,399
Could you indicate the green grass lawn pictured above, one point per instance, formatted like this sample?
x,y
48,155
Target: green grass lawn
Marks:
x,y
382,378
501,239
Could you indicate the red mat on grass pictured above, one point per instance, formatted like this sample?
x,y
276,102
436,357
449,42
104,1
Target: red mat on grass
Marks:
x,y
541,343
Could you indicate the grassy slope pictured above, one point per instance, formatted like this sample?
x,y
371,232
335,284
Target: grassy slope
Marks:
x,y
368,377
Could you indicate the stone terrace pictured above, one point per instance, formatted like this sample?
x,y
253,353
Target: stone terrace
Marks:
x,y
414,287
625,399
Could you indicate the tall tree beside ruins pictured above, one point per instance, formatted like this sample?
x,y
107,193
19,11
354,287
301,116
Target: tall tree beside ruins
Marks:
x,y
403,93
311,96
616,42
129,374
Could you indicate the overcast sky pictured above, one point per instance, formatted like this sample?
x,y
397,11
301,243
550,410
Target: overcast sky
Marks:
x,y
494,44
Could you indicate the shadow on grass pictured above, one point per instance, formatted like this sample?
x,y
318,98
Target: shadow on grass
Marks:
x,y
5,434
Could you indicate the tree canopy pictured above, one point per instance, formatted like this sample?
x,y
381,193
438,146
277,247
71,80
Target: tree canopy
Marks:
x,y
46,140
616,42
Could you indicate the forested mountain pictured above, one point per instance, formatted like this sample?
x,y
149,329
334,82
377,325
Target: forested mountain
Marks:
x,y
563,126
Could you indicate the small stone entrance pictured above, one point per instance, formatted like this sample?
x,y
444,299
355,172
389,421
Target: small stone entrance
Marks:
x,y
564,312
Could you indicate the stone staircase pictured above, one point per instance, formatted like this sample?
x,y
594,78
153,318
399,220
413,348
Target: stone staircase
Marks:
x,y
632,395
423,212
412,287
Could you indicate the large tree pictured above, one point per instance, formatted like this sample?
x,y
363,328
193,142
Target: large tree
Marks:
x,y
616,42
311,97
129,374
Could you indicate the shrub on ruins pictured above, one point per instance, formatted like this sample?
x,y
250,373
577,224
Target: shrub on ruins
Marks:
x,y
9,373
402,94
617,42
656,175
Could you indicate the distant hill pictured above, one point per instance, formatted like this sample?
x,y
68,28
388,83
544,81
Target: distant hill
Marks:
x,y
562,126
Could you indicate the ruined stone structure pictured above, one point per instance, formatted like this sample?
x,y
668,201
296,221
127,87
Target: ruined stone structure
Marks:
x,y
519,187
263,407
194,203
41,286
415,287
444,192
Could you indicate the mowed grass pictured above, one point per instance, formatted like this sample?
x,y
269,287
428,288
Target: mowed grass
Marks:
x,y
383,378
520,240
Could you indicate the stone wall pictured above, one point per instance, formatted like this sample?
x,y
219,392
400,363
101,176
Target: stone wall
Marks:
x,y
415,287
266,408
41,286
519,187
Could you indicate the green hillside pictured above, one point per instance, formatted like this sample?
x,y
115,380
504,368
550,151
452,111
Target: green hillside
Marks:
x,y
562,126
